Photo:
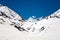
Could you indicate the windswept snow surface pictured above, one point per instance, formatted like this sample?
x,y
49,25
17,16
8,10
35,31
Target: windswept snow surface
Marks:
x,y
13,27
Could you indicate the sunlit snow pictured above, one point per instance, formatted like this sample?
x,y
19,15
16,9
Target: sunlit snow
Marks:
x,y
13,27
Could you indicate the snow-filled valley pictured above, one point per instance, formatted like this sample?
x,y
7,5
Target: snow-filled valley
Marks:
x,y
14,27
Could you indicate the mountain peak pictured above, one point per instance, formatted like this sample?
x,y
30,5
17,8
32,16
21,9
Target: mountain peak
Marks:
x,y
9,16
10,13
57,13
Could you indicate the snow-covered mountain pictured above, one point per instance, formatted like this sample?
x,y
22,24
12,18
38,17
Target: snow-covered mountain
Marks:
x,y
13,27
9,16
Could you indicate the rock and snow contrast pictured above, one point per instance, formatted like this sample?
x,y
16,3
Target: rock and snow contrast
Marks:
x,y
13,27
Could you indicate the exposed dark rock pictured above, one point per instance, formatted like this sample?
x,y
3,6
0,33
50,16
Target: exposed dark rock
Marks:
x,y
2,20
41,29
20,28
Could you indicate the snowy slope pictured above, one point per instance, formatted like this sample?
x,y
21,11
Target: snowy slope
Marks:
x,y
9,16
13,27
9,12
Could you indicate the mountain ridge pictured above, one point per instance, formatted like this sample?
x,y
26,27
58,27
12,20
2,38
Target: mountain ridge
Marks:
x,y
13,27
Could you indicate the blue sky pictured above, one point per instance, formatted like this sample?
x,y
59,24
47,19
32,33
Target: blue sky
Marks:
x,y
27,8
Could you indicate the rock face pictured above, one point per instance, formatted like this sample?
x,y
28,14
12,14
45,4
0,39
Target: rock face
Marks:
x,y
13,27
